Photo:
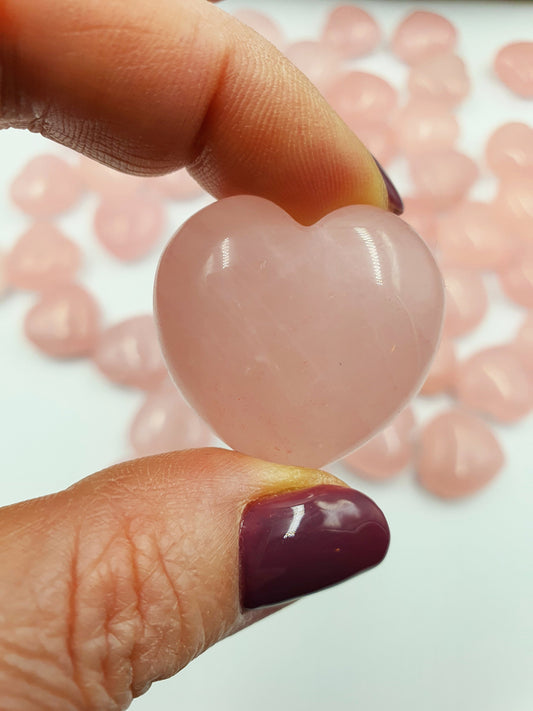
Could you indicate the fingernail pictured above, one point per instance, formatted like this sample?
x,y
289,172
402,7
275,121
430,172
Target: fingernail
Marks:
x,y
296,543
395,201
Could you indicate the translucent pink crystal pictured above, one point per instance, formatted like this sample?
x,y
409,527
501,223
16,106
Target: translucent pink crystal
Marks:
x,y
352,31
176,186
42,257
165,422
514,66
129,227
128,353
443,178
458,455
106,181
517,279
422,218
424,126
379,138
277,332
473,235
422,34
514,202
388,452
64,322
509,150
495,383
466,301
523,343
441,375
262,24
360,96
442,78
46,186
319,62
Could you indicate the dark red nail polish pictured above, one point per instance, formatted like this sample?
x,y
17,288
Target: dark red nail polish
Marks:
x,y
296,543
395,201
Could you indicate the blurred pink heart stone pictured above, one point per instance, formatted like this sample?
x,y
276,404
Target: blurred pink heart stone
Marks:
x,y
46,186
319,62
165,422
514,201
443,178
276,332
514,67
466,301
425,126
495,383
422,34
262,24
129,226
458,455
441,375
388,452
361,96
442,78
523,343
473,235
421,216
41,258
517,279
64,322
509,150
128,353
351,31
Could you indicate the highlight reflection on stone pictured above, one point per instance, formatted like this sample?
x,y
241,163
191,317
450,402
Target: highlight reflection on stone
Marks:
x,y
46,186
361,96
422,34
517,279
165,423
277,332
458,455
467,301
388,452
514,202
351,31
514,66
495,383
442,78
64,322
128,353
424,126
42,257
509,150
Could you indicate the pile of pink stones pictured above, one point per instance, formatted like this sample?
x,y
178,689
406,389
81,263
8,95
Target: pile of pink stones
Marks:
x,y
457,452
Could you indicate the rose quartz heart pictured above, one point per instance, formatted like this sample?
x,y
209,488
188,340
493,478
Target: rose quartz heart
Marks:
x,y
441,78
517,279
42,257
422,218
494,382
514,66
128,353
46,186
422,34
64,323
443,178
352,31
466,301
361,96
319,62
509,150
165,422
388,452
295,343
441,375
458,455
523,343
514,201
424,126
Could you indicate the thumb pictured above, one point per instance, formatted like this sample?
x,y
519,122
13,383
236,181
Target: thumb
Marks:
x,y
125,577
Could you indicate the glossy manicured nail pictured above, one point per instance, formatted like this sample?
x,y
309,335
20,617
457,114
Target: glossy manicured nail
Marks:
x,y
296,543
395,201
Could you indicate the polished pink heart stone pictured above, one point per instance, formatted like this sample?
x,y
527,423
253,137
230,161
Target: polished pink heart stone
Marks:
x,y
509,150
388,452
467,301
424,126
297,343
514,66
523,343
165,422
361,96
421,215
458,455
422,34
517,279
352,31
42,257
64,323
441,375
442,77
514,201
443,178
46,186
319,62
128,353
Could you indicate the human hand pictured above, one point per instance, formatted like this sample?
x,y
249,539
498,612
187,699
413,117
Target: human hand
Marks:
x,y
128,575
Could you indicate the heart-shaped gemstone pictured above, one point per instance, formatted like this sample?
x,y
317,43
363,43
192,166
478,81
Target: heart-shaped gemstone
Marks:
x,y
297,343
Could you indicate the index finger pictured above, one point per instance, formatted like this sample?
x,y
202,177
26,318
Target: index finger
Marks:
x,y
151,87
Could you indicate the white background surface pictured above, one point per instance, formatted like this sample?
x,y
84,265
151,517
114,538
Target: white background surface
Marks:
x,y
446,622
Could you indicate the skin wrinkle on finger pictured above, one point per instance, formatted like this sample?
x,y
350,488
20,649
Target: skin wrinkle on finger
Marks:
x,y
182,83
